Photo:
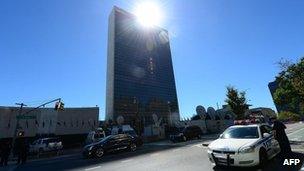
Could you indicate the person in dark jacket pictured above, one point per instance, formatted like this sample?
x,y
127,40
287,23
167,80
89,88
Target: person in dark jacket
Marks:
x,y
280,136
22,150
5,152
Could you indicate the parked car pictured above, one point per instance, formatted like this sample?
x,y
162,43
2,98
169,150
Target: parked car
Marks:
x,y
45,145
127,129
184,134
111,143
244,146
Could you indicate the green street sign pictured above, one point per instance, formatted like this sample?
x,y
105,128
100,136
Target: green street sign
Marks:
x,y
26,117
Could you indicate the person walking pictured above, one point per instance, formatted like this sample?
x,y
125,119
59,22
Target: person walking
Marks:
x,y
5,152
22,150
280,135
1,153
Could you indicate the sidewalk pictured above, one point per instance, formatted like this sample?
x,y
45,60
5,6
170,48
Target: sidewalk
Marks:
x,y
204,138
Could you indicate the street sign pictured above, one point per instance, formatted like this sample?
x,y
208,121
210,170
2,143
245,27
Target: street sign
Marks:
x,y
25,117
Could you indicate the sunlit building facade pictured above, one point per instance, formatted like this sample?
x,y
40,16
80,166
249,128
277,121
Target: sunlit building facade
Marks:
x,y
140,78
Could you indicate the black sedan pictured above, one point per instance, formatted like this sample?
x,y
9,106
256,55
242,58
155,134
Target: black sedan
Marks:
x,y
184,134
112,143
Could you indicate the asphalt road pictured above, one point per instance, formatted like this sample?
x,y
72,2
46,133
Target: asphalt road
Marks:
x,y
189,156
296,132
179,157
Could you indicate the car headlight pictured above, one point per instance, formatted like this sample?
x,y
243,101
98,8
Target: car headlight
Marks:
x,y
209,149
248,149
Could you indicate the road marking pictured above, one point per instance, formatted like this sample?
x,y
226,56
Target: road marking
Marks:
x,y
198,145
175,150
154,154
298,150
92,168
125,161
295,139
295,132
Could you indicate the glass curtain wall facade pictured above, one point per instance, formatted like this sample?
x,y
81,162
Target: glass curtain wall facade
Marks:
x,y
140,79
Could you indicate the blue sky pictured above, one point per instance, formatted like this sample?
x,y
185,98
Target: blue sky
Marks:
x,y
58,48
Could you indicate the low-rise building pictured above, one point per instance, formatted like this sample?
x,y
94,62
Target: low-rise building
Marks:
x,y
47,121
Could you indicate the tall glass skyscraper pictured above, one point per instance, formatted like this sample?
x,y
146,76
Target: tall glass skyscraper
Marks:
x,y
140,79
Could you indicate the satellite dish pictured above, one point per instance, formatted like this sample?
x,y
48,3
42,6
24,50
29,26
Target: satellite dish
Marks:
x,y
200,110
211,112
120,120
221,113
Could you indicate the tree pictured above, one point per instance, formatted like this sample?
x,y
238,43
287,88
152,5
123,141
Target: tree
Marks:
x,y
290,91
237,101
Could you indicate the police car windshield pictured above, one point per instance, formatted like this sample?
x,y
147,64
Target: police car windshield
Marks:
x,y
241,133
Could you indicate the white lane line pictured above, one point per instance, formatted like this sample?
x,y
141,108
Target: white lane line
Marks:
x,y
92,168
154,154
295,132
125,161
297,150
198,145
175,150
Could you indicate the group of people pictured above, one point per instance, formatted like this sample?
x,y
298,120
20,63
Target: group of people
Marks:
x,y
21,149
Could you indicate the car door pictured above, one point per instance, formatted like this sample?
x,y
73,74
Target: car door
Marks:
x,y
274,143
112,144
125,142
268,143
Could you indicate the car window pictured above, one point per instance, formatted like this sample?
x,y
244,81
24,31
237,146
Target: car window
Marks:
x,y
241,133
266,129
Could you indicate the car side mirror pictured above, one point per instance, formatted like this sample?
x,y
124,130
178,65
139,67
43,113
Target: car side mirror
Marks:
x,y
266,134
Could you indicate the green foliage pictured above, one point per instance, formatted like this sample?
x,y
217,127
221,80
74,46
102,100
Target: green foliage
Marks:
x,y
290,91
237,101
285,115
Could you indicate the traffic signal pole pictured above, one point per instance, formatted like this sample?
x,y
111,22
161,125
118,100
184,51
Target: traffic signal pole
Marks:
x,y
20,114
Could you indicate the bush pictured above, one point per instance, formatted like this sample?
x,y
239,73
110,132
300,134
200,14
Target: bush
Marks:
x,y
289,116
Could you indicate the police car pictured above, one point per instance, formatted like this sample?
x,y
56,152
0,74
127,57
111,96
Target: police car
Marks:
x,y
244,145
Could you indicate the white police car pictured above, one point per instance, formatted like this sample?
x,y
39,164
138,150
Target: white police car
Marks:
x,y
244,145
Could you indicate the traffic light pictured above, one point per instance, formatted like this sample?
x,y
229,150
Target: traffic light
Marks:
x,y
20,134
59,106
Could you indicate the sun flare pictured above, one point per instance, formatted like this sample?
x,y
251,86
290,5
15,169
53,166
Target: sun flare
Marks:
x,y
148,14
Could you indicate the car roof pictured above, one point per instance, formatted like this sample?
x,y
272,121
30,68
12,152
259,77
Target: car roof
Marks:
x,y
48,138
250,125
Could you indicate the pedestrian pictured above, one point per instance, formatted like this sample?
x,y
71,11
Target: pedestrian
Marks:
x,y
1,153
22,150
5,152
280,136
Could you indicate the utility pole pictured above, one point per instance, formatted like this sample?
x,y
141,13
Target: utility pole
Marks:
x,y
17,126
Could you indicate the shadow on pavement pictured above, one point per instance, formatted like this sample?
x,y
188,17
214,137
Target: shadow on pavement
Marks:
x,y
78,162
276,164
